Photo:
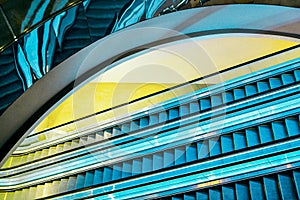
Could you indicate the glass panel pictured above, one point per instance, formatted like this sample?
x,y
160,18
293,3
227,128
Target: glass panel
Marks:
x,y
39,47
102,15
25,70
72,32
23,14
11,86
133,12
153,8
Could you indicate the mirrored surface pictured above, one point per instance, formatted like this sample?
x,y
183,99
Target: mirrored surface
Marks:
x,y
11,84
24,14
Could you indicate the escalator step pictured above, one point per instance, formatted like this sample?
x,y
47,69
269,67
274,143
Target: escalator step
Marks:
x,y
189,197
134,125
292,126
168,158
173,113
158,161
287,79
89,178
80,181
71,183
98,176
184,110
239,93
297,75
107,174
227,143
144,122
228,192
163,116
180,157
216,100
214,146
202,149
202,195
275,82
239,140
242,191
39,191
286,187
215,194
279,130
296,178
194,107
262,86
256,190
32,193
117,171
126,169
227,97
265,133
191,152
136,166
252,137
55,187
153,119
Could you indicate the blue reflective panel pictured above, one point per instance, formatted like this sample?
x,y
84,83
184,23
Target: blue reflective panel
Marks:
x,y
11,85
131,15
153,7
72,32
62,22
101,15
23,14
39,47
24,67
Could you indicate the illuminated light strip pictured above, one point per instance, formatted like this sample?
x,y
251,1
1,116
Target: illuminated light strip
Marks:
x,y
210,183
159,182
183,100
67,169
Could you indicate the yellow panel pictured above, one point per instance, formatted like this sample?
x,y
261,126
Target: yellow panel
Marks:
x,y
160,69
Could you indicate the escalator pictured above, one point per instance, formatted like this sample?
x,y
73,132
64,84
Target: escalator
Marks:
x,y
195,139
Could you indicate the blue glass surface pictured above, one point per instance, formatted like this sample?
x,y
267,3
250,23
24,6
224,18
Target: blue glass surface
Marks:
x,y
24,14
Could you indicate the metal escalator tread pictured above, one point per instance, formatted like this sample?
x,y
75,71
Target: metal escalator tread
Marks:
x,y
270,187
287,186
